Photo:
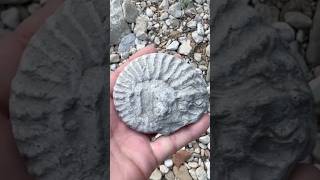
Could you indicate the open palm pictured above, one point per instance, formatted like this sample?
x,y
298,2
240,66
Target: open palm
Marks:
x,y
132,154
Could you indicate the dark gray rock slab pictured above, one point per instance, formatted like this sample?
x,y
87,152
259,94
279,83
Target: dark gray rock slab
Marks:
x,y
262,104
58,95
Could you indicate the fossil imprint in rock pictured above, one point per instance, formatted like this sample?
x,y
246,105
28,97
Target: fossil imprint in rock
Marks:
x,y
159,93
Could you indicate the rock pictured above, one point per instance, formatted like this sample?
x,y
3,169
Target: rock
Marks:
x,y
130,11
313,53
203,67
140,44
126,43
201,173
114,58
164,5
192,24
141,28
200,29
181,173
164,169
196,37
208,77
197,56
193,174
185,48
169,176
180,157
113,67
285,31
168,163
149,12
208,50
118,24
173,46
14,2
146,86
193,164
298,20
157,40
156,175
164,16
259,94
10,17
205,139
175,10
33,7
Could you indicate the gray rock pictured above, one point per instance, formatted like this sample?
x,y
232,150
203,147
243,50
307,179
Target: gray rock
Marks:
x,y
192,24
176,10
155,105
126,43
149,12
173,46
33,8
263,112
285,31
141,28
118,24
168,163
10,17
164,5
185,48
114,58
59,86
164,16
315,88
164,169
300,36
205,139
14,1
197,56
200,29
313,53
298,20
201,173
196,37
130,11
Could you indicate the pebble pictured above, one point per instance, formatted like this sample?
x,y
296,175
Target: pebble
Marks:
x,y
164,16
175,10
173,46
113,67
168,163
33,7
192,24
193,164
205,139
149,12
182,173
298,20
200,29
164,169
193,174
10,17
202,146
114,58
201,173
208,50
315,89
164,5
141,28
130,11
197,56
203,67
156,175
185,47
300,36
196,37
126,43
157,40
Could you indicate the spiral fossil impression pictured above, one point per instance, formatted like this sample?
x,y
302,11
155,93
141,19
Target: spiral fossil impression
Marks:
x,y
159,93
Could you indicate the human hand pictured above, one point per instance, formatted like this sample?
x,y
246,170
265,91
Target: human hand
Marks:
x,y
12,46
132,154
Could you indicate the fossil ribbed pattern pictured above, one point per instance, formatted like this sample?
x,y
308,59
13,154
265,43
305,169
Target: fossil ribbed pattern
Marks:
x,y
159,93
59,92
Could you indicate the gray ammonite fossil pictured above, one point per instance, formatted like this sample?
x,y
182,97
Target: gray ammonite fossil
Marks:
x,y
58,96
159,93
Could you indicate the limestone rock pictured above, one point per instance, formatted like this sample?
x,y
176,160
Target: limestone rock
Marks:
x,y
159,93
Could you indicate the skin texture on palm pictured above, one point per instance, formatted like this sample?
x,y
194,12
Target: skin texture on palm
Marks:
x,y
133,153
